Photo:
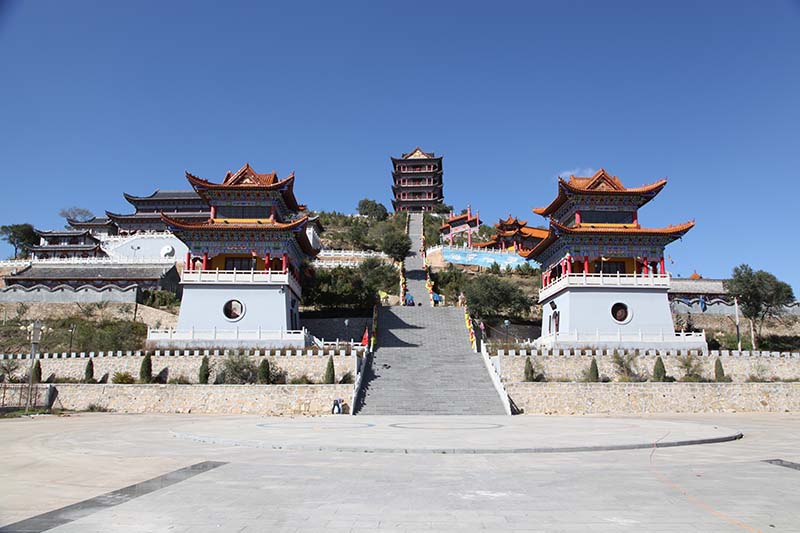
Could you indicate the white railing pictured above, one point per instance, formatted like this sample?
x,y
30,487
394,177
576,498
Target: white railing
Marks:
x,y
335,264
167,335
495,372
470,248
603,280
90,261
262,277
620,336
112,239
350,253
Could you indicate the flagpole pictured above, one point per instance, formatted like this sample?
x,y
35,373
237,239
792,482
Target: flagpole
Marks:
x,y
738,333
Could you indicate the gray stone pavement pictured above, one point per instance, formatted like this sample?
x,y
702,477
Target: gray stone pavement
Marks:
x,y
49,463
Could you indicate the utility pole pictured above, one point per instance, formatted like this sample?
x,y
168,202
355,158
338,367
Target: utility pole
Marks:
x,y
35,331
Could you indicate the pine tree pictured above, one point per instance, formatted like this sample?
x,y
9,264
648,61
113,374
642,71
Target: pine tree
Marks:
x,y
146,370
330,375
529,374
263,371
719,372
659,372
594,374
202,376
37,372
88,372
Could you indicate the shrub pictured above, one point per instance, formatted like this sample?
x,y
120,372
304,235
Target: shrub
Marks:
x,y
238,370
593,375
719,372
347,379
202,376
179,380
691,368
146,370
37,372
7,368
659,372
123,378
94,408
302,380
330,374
88,372
532,372
625,364
263,371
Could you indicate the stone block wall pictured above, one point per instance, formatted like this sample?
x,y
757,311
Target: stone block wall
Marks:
x,y
187,366
267,400
651,398
572,367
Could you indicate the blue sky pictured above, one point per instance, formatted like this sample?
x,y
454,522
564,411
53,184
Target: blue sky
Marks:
x,y
101,98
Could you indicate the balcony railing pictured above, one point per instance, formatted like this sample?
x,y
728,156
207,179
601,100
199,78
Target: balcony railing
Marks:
x,y
256,277
677,337
603,280
294,336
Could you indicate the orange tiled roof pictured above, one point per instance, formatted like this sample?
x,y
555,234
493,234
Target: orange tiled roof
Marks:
x,y
675,232
230,224
511,221
248,178
695,275
458,218
601,183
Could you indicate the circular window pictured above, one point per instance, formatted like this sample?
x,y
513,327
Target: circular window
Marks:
x,y
233,310
619,312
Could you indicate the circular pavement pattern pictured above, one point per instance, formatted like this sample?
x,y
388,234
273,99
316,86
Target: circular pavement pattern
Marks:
x,y
451,434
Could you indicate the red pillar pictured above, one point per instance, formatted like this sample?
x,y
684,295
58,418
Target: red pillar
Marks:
x,y
188,265
205,260
577,218
213,211
661,268
636,218
469,239
569,265
266,262
646,267
284,263
585,264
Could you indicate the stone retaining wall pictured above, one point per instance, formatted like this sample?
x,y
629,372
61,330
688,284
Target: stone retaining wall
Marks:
x,y
646,398
268,400
572,367
187,366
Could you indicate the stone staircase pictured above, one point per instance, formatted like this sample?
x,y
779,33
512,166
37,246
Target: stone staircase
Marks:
x,y
424,363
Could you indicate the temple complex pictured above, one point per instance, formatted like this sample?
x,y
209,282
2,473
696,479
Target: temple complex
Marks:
x,y
66,244
604,281
182,205
465,223
417,184
514,234
242,277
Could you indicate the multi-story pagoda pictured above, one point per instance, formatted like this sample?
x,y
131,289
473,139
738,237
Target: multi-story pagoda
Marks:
x,y
66,244
241,284
183,205
417,182
604,281
459,224
514,234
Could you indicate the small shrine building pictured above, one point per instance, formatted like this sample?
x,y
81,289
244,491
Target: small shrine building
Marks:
x,y
515,235
458,224
604,280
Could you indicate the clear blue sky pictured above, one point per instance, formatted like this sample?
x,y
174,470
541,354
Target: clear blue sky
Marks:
x,y
101,98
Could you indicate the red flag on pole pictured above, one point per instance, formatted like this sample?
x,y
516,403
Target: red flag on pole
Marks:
x,y
365,338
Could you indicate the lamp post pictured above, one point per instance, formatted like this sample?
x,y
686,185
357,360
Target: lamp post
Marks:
x,y
35,331
506,325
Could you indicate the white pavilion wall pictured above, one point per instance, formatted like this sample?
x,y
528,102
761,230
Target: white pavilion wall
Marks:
x,y
266,306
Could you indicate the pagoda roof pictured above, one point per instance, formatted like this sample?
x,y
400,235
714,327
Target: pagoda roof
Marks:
x,y
247,178
463,218
511,221
156,215
601,183
94,221
556,230
64,247
163,195
43,271
416,153
224,224
62,232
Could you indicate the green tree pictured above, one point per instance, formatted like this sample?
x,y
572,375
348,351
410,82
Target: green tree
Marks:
x,y
202,376
372,209
88,372
37,372
263,371
761,296
330,374
719,372
396,245
593,375
19,236
659,372
489,296
239,370
530,375
146,370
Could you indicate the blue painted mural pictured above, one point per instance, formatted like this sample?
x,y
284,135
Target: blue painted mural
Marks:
x,y
463,256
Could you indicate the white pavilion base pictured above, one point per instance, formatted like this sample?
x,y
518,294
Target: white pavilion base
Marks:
x,y
227,338
639,340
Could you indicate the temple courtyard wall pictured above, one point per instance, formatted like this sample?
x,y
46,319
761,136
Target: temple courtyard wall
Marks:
x,y
746,366
653,398
187,366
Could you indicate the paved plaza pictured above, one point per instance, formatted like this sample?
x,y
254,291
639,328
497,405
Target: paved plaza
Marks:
x,y
111,472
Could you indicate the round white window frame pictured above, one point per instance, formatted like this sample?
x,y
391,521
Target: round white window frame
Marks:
x,y
623,322
241,316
